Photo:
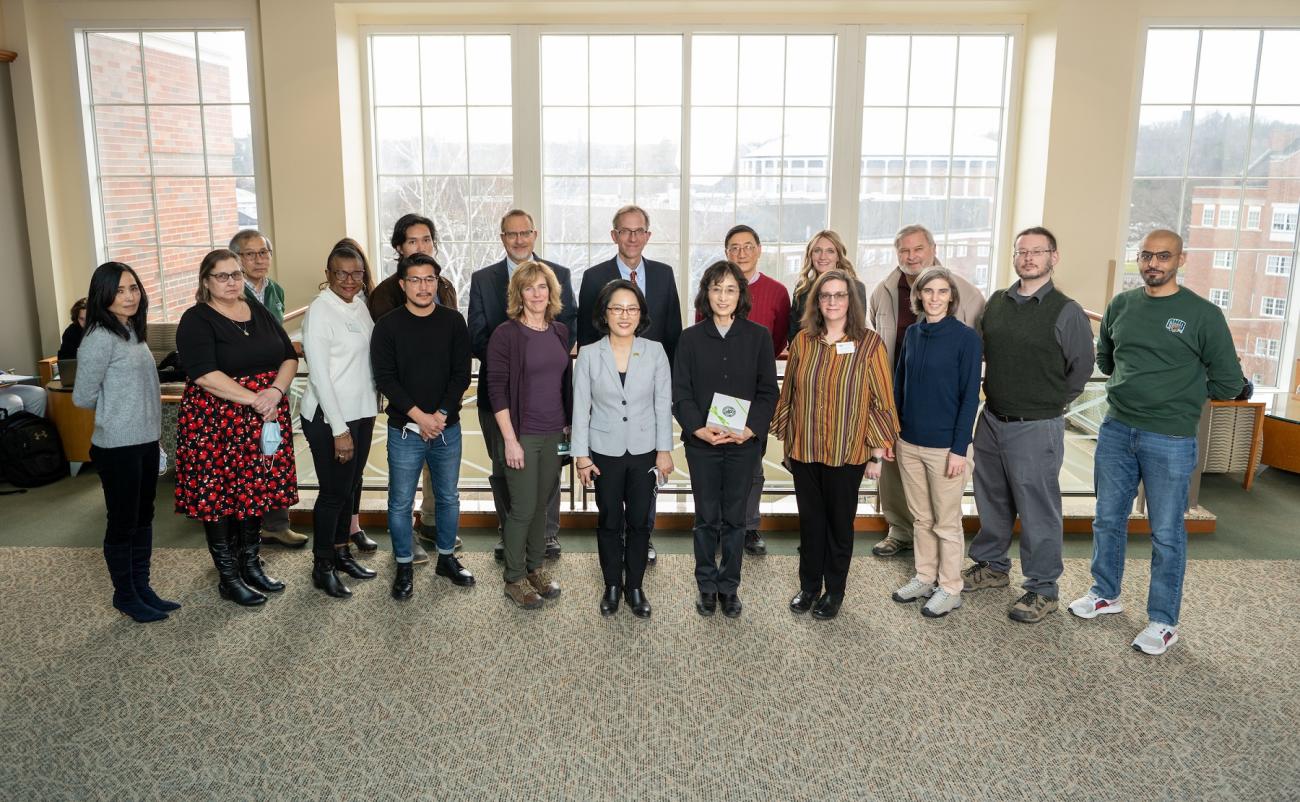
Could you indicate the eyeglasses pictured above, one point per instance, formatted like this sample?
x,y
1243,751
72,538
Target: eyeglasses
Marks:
x,y
718,289
1163,257
421,280
837,297
345,275
256,256
518,235
226,278
631,233
747,248
624,311
1036,252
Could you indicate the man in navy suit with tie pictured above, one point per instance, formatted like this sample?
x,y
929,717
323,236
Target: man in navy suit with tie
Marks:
x,y
487,310
631,232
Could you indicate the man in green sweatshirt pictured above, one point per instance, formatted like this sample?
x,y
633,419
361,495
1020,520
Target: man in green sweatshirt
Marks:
x,y
1166,350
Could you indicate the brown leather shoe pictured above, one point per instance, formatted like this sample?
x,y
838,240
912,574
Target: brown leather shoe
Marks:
x,y
546,587
522,594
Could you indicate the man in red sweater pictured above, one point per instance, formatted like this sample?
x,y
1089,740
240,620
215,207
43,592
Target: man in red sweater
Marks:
x,y
770,308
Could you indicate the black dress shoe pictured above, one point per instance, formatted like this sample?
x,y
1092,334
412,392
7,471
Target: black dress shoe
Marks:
x,y
345,562
803,601
609,602
707,604
639,603
450,567
363,542
731,605
651,555
827,607
403,584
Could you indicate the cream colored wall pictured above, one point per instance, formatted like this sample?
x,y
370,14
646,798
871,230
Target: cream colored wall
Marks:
x,y
1069,151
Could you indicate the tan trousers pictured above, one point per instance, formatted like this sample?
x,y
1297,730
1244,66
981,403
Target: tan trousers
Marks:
x,y
893,503
935,503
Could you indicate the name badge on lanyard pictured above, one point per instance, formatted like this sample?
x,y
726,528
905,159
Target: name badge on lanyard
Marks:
x,y
846,347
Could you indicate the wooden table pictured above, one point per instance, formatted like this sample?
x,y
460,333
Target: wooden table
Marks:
x,y
75,425
1282,443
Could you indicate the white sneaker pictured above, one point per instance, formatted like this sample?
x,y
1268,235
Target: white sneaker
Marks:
x,y
1156,638
941,603
1092,605
913,590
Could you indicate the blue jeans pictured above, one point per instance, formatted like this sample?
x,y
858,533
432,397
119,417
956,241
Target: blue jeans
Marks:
x,y
1164,464
407,454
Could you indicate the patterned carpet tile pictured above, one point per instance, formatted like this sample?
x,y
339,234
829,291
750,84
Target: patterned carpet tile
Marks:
x,y
457,695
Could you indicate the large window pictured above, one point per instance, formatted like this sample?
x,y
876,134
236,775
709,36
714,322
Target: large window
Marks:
x,y
442,133
611,135
1219,127
170,146
932,141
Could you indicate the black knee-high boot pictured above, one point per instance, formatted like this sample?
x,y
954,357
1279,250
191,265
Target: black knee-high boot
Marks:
x,y
141,554
231,586
250,562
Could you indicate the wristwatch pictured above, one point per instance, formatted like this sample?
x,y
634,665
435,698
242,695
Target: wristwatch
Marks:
x,y
873,460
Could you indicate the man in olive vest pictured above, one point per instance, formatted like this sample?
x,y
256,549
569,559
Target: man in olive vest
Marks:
x,y
1038,356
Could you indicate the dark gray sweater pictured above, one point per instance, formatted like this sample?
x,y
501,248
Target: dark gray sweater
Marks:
x,y
119,380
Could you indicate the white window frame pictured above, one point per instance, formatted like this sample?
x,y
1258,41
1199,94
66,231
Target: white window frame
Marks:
x,y
1207,215
1278,264
1253,215
1285,218
1268,347
1228,216
1224,260
1220,297
1272,307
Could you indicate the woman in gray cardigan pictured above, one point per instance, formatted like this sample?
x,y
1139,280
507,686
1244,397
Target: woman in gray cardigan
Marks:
x,y
622,437
117,378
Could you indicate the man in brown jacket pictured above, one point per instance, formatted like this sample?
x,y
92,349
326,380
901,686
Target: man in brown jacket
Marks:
x,y
889,312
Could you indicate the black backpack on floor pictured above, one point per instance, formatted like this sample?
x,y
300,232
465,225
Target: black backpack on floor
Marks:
x,y
31,453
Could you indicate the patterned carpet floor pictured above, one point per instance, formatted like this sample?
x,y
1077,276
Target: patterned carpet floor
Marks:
x,y
456,695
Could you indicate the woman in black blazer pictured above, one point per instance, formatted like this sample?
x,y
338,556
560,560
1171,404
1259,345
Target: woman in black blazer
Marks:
x,y
727,354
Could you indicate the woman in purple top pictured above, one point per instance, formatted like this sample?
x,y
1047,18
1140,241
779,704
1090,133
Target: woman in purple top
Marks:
x,y
530,388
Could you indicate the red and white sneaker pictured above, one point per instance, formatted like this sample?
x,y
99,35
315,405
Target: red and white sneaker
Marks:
x,y
1156,638
1092,605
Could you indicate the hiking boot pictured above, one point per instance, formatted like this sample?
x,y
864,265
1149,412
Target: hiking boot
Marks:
x,y
981,575
285,537
754,543
1156,638
889,547
541,582
499,550
941,603
1031,608
913,590
522,594
552,548
1092,605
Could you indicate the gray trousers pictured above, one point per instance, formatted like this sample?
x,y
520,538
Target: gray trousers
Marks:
x,y
1017,472
500,492
893,502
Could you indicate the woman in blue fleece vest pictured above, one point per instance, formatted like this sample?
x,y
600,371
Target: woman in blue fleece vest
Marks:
x,y
936,387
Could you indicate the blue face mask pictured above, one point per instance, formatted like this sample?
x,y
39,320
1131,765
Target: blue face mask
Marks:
x,y
270,438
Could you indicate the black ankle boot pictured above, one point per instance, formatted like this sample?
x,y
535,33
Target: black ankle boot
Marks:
x,y
249,559
345,562
141,554
125,598
230,586
609,602
324,577
638,602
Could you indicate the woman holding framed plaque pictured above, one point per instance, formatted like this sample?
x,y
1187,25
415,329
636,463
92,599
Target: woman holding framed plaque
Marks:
x,y
724,394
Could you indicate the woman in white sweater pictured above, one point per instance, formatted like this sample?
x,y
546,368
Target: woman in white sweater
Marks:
x,y
117,378
338,411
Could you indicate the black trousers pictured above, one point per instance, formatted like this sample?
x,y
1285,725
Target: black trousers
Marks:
x,y
129,475
625,491
828,501
339,481
720,480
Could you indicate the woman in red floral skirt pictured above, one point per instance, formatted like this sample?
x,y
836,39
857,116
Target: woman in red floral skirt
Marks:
x,y
240,363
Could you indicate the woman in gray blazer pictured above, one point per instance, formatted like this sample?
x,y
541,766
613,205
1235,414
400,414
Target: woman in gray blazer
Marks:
x,y
622,437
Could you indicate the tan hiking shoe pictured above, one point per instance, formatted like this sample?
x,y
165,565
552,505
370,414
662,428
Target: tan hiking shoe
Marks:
x,y
522,594
1031,608
285,537
980,576
546,587
890,546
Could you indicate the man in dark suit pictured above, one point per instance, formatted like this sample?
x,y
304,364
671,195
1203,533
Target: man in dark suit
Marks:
x,y
657,281
487,310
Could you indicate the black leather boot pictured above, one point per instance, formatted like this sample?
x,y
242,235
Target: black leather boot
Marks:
x,y
141,554
345,562
125,599
324,577
220,546
609,602
638,602
250,562
403,581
